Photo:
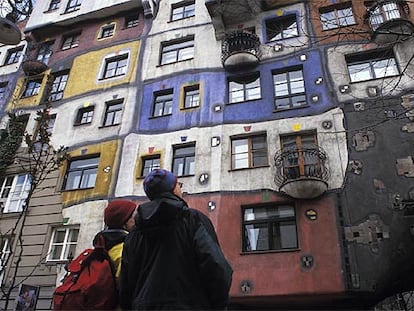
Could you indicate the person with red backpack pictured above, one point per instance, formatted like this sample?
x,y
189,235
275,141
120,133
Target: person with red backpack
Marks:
x,y
119,218
93,276
172,259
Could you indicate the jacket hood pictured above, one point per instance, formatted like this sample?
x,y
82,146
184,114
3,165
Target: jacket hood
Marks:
x,y
160,212
112,237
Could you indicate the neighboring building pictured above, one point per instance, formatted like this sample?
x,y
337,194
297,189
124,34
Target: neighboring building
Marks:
x,y
81,60
274,115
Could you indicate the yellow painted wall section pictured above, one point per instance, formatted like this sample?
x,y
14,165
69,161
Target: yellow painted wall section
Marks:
x,y
106,167
87,69
17,101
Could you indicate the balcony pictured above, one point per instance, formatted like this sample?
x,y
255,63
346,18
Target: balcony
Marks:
x,y
389,21
302,173
33,67
240,49
226,13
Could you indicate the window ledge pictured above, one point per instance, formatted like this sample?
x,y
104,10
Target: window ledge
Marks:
x,y
79,189
369,80
293,108
180,19
156,117
113,77
248,168
245,101
106,126
81,124
271,251
180,61
339,27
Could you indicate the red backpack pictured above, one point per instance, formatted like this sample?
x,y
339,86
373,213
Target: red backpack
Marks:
x,y
90,283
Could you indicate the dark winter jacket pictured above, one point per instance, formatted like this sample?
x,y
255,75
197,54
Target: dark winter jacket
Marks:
x,y
172,260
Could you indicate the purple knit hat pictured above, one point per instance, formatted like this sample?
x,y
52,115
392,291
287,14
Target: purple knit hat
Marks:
x,y
159,181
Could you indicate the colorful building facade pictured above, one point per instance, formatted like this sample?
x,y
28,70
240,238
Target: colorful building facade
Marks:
x,y
289,123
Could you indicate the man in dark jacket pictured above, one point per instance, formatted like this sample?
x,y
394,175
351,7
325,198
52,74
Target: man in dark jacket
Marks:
x,y
172,259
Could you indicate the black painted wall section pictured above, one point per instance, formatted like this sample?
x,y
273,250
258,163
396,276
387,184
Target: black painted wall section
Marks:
x,y
376,199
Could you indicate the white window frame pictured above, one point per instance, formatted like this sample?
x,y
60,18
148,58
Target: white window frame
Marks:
x,y
177,51
246,88
284,30
115,66
113,112
182,10
15,197
337,16
83,175
249,151
107,31
371,66
5,252
67,245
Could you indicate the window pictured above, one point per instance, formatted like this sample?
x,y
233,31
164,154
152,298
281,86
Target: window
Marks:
x,y
45,52
301,160
281,28
13,192
113,113
184,160
81,173
51,123
85,115
289,88
192,96
13,55
3,89
5,252
70,41
337,16
269,228
163,103
176,51
115,66
107,31
149,164
249,152
182,10
32,87
131,21
244,88
42,143
54,5
63,243
73,5
372,65
58,85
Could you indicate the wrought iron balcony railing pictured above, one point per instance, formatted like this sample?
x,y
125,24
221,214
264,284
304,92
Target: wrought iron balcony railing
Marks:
x,y
240,48
302,173
390,21
386,11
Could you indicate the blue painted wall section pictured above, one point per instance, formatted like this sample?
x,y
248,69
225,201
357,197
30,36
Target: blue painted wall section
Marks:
x,y
215,92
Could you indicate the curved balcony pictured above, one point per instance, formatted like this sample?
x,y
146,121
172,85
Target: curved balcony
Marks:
x,y
33,67
302,173
240,49
389,21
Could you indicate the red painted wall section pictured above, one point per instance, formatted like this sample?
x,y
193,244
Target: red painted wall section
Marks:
x,y
280,273
89,36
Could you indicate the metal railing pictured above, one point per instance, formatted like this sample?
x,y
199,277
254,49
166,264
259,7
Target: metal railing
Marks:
x,y
386,11
240,42
302,163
